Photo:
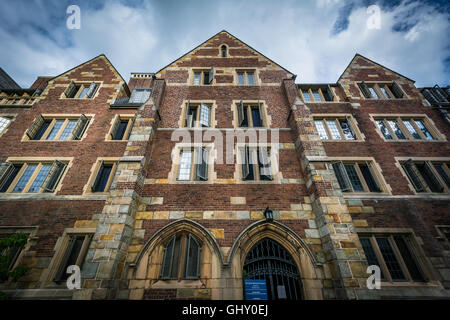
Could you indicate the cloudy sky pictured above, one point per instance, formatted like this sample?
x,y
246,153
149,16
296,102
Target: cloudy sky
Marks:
x,y
314,39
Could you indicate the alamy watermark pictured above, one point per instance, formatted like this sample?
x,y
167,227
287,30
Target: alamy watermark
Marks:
x,y
73,21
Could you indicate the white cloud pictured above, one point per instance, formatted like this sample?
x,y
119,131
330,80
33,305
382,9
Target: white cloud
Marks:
x,y
297,35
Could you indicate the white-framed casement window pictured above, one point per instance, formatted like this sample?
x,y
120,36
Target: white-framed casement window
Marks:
x,y
72,251
193,164
197,115
357,176
104,171
246,77
428,176
121,127
386,91
341,128
31,177
81,90
396,256
5,121
250,115
317,93
181,258
57,128
406,128
203,77
256,163
140,95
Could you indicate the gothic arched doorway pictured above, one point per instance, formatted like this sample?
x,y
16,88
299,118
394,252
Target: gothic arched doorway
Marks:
x,y
269,261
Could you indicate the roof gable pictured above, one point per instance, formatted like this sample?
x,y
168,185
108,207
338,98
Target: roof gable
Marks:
x,y
208,54
359,61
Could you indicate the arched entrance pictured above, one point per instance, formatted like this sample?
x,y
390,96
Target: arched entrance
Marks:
x,y
270,261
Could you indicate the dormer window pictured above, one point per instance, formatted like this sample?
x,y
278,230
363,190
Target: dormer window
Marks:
x,y
140,95
223,50
316,93
81,90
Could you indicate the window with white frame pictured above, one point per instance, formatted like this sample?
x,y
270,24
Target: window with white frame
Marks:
x,y
31,177
193,164
197,115
406,128
203,77
335,128
57,128
246,78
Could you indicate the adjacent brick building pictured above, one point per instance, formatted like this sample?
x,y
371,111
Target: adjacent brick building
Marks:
x,y
109,176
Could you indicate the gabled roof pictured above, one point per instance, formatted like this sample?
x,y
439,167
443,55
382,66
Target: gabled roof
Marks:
x,y
245,44
6,82
89,61
359,55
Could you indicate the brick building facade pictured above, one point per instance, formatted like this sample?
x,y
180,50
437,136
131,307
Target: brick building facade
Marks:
x,y
108,175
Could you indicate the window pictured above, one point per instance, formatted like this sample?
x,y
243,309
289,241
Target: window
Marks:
x,y
74,254
246,78
81,90
181,259
256,163
223,50
4,122
317,93
30,177
427,176
140,95
335,129
203,77
121,128
11,246
193,165
103,176
381,90
197,115
402,128
61,129
356,176
250,115
394,255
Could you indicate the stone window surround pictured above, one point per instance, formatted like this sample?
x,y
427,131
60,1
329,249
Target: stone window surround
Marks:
x,y
255,72
429,124
266,118
360,137
121,116
441,235
176,154
319,88
376,85
183,107
61,116
220,51
194,70
398,161
277,175
83,82
416,246
61,245
377,172
12,117
67,160
94,169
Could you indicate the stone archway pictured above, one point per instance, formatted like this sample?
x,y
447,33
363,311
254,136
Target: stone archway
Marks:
x,y
311,273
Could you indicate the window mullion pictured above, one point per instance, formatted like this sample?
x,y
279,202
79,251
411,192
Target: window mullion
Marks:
x,y
376,87
399,258
249,116
330,137
404,129
83,249
49,129
111,176
255,166
311,95
321,94
341,132
379,255
413,123
183,258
